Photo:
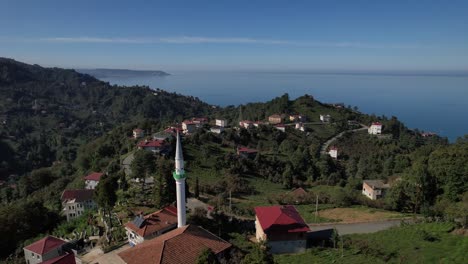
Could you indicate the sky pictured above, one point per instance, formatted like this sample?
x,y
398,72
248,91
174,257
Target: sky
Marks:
x,y
238,35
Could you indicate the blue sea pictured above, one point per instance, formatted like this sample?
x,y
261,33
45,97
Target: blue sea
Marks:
x,y
430,103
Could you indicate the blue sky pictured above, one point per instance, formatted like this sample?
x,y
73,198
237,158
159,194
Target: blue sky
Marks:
x,y
238,35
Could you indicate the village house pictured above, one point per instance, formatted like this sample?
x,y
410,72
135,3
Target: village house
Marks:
x,y
75,202
217,129
48,250
246,124
333,152
375,128
246,152
374,189
300,126
92,180
258,123
297,118
221,122
138,133
282,227
163,136
325,118
188,127
200,121
281,127
275,119
150,226
181,245
155,146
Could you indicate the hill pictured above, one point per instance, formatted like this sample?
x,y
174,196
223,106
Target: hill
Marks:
x,y
121,73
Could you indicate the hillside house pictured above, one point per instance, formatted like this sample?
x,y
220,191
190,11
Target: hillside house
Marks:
x,y
325,118
374,189
150,226
138,133
188,127
48,250
163,136
246,152
246,124
181,245
200,121
375,128
75,202
92,180
258,123
221,122
281,127
217,129
297,118
275,119
282,227
300,126
155,146
333,152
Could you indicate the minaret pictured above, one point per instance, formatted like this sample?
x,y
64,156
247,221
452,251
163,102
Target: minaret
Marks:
x,y
179,176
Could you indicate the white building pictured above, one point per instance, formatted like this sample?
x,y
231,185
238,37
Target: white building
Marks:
x,y
48,248
189,127
333,152
221,122
217,129
300,126
92,180
246,124
325,118
138,133
281,127
374,189
375,128
75,202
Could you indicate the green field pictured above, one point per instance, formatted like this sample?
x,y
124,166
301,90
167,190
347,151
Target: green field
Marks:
x,y
418,243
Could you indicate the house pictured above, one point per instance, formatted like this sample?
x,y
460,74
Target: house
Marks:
x,y
246,124
275,119
258,123
149,226
138,133
281,127
47,250
221,122
246,152
75,202
173,130
200,121
181,245
374,189
300,126
282,227
217,129
325,118
188,126
163,136
333,152
375,128
155,146
297,118
92,180
428,134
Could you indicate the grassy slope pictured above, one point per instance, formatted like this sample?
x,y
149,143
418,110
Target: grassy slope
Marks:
x,y
414,246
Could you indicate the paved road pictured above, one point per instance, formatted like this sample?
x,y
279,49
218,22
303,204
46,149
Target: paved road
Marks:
x,y
357,228
127,162
325,145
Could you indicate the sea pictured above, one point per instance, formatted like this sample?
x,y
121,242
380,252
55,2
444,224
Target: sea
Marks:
x,y
430,103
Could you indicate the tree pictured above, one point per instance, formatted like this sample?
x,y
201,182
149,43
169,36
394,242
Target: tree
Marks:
x,y
142,166
197,188
165,189
106,195
207,257
258,255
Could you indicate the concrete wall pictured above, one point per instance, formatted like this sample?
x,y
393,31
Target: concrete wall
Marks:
x,y
91,185
33,258
289,246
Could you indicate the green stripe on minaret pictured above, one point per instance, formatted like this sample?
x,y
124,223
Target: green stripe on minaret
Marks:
x,y
178,176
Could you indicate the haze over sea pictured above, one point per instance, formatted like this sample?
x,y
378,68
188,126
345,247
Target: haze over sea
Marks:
x,y
431,103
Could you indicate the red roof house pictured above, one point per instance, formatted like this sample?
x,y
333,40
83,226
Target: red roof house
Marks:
x,y
282,227
181,245
92,180
153,145
68,258
246,152
45,249
152,225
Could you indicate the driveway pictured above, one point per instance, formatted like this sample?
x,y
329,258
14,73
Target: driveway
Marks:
x,y
96,256
127,162
357,228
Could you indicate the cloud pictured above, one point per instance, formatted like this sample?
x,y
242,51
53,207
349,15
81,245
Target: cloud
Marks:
x,y
212,40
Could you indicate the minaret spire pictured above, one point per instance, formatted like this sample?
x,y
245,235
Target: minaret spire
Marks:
x,y
179,176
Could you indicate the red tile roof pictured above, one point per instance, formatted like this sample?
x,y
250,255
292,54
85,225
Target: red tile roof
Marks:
x,y
45,245
95,176
188,122
156,221
151,143
138,130
376,124
182,245
78,195
246,150
280,219
68,258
